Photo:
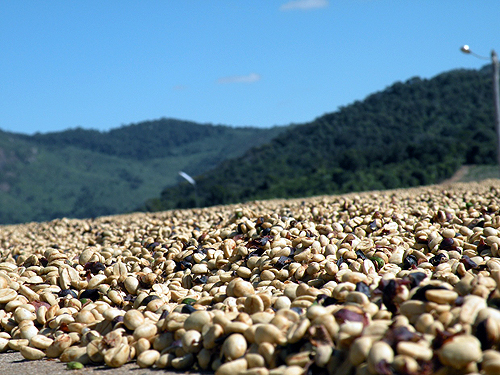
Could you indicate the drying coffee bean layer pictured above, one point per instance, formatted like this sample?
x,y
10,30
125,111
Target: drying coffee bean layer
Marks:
x,y
394,282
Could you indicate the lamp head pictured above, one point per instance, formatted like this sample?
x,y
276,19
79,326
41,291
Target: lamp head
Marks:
x,y
465,49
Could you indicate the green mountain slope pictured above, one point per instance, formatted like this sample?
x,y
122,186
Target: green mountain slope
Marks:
x,y
413,133
87,173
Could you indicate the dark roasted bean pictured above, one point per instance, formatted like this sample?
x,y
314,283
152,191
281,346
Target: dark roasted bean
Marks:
x,y
410,262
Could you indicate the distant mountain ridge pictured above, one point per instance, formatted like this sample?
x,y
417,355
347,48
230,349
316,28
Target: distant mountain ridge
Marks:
x,y
145,140
88,173
413,133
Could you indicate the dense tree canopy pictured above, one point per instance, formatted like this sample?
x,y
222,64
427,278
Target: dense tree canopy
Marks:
x,y
87,173
413,133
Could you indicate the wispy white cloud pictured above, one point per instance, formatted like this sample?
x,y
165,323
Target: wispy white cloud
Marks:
x,y
250,78
304,4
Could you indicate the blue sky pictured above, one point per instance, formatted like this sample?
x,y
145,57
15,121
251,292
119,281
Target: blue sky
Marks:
x,y
103,64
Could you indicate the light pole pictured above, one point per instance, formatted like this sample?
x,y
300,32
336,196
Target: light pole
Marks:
x,y
496,90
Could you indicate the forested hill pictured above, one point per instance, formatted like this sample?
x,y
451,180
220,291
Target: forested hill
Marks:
x,y
88,173
153,139
413,133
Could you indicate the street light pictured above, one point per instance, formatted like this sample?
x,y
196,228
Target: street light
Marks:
x,y
496,89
